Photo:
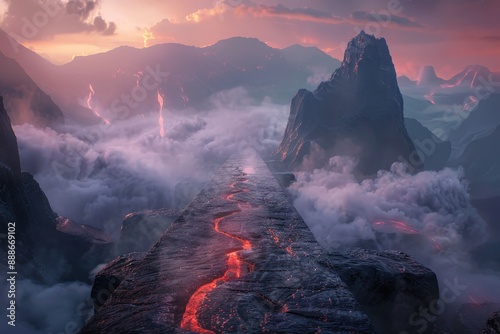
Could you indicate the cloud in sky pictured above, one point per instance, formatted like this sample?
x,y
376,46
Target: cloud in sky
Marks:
x,y
96,175
32,20
362,16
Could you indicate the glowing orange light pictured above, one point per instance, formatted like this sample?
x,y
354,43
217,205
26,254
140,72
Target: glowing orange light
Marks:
x,y
403,228
235,269
160,119
89,105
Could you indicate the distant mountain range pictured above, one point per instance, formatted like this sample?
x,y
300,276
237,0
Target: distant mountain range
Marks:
x,y
126,80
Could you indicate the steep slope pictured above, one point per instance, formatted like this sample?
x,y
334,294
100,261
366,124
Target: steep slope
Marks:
x,y
433,151
38,68
358,112
477,124
26,102
482,165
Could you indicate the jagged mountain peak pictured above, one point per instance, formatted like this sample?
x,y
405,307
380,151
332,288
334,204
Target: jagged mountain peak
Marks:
x,y
361,52
360,109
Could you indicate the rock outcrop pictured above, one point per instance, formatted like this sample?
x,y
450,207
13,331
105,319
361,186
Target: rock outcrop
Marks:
x,y
241,259
389,285
358,112
492,324
238,259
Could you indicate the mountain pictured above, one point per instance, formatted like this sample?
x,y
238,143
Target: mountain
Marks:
x,y
472,76
478,123
127,80
433,151
38,68
404,81
428,77
24,100
358,112
482,166
474,83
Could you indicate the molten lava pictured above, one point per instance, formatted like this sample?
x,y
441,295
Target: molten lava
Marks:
x,y
160,119
402,227
236,267
89,101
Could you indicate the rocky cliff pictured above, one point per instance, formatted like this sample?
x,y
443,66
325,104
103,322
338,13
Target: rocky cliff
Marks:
x,y
358,112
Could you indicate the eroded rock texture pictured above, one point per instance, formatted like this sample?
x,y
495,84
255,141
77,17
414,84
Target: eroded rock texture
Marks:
x,y
238,259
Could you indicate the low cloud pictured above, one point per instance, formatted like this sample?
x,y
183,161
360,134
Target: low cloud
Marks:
x,y
339,209
61,308
362,16
427,215
96,175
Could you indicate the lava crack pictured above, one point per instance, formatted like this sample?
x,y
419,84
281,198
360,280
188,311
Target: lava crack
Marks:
x,y
235,269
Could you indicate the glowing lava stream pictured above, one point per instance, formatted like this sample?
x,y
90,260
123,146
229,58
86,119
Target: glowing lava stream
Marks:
x,y
160,119
234,270
89,100
404,228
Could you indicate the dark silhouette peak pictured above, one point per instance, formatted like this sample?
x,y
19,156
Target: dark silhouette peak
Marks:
x,y
366,56
360,109
428,76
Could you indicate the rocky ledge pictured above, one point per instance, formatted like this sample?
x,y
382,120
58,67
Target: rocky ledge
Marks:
x,y
241,259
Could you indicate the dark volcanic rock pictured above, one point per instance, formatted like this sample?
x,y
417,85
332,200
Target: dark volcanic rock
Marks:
x,y
238,259
389,285
470,318
358,112
492,324
110,277
140,230
9,154
433,152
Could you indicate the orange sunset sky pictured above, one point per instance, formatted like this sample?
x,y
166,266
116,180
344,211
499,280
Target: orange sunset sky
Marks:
x,y
449,34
